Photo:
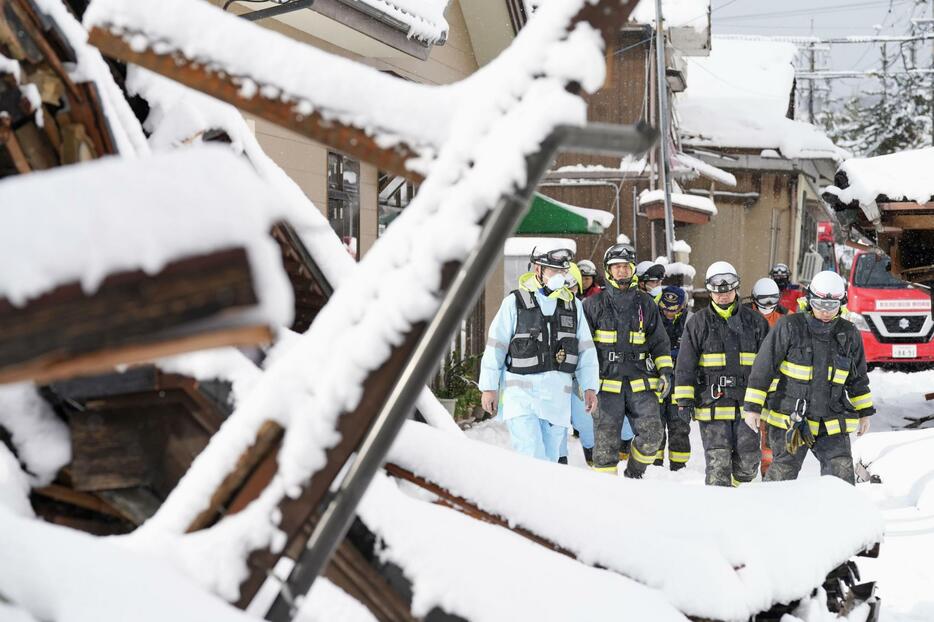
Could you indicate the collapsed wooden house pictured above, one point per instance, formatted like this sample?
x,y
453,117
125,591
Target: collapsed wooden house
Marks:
x,y
271,496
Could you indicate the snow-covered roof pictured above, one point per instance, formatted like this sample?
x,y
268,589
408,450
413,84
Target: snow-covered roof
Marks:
x,y
724,568
687,201
424,18
906,175
83,223
599,217
703,168
523,247
739,97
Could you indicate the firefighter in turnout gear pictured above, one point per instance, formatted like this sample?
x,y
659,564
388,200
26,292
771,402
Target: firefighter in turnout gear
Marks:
x,y
635,365
717,351
538,344
765,300
671,304
810,384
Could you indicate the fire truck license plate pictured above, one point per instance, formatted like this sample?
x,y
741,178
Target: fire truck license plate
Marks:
x,y
904,352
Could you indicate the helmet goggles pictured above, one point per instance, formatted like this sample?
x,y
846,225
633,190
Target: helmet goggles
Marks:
x,y
559,258
722,283
619,253
825,305
769,300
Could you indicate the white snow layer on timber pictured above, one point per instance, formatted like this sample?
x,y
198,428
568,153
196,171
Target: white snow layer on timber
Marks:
x,y
677,13
179,115
689,201
41,439
216,364
328,603
903,175
707,170
14,488
443,553
424,18
11,67
340,89
90,67
123,215
738,97
309,385
57,573
703,547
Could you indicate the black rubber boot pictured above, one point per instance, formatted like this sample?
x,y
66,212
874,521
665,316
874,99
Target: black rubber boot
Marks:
x,y
677,466
588,455
563,460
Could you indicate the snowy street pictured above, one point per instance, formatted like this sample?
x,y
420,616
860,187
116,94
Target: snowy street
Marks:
x,y
906,495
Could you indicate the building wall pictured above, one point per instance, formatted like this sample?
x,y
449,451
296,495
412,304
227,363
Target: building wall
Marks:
x,y
750,235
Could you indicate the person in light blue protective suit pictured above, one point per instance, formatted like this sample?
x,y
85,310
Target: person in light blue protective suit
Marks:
x,y
541,339
581,420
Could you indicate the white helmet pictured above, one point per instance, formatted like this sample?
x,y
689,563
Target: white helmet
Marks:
x,y
721,277
827,291
642,267
587,267
765,294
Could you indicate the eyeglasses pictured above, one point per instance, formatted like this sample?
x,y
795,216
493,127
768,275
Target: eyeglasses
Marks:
x,y
721,283
826,305
766,301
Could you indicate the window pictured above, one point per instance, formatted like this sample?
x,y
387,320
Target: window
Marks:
x,y
344,200
872,270
394,195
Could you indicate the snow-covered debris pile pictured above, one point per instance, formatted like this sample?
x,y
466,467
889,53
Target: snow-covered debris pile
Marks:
x,y
725,569
903,176
739,97
522,580
687,201
227,364
901,459
125,215
339,89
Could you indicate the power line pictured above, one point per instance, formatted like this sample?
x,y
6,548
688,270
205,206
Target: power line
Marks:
x,y
814,11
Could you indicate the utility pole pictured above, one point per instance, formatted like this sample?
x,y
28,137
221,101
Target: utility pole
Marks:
x,y
931,91
811,83
663,112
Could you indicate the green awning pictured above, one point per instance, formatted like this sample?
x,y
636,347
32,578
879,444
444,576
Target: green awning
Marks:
x,y
548,216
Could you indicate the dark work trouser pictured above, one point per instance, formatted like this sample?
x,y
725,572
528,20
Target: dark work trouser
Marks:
x,y
832,451
731,451
642,409
675,434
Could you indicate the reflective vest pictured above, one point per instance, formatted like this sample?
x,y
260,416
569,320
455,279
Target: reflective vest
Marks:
x,y
543,343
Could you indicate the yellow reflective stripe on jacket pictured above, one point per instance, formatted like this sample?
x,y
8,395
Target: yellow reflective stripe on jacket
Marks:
x,y
679,456
799,372
636,337
747,358
717,359
851,425
683,392
661,362
777,419
611,386
604,336
755,396
719,413
640,384
862,402
774,385
837,376
641,457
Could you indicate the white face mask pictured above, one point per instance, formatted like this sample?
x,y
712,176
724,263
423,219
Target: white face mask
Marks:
x,y
655,291
555,282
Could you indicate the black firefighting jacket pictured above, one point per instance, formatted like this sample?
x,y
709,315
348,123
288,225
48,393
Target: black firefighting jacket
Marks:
x,y
715,359
812,371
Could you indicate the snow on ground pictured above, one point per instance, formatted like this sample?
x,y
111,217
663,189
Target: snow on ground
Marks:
x,y
903,459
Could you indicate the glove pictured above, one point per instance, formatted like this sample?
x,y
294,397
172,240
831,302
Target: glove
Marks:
x,y
686,413
863,426
752,420
664,385
797,435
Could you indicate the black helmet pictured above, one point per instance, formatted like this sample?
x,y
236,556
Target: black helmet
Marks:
x,y
619,253
558,258
655,273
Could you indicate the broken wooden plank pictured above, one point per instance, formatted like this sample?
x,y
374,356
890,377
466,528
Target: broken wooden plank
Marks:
x,y
351,140
77,498
9,141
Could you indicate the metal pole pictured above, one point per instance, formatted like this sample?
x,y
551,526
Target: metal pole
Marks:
x,y
663,128
336,520
635,218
